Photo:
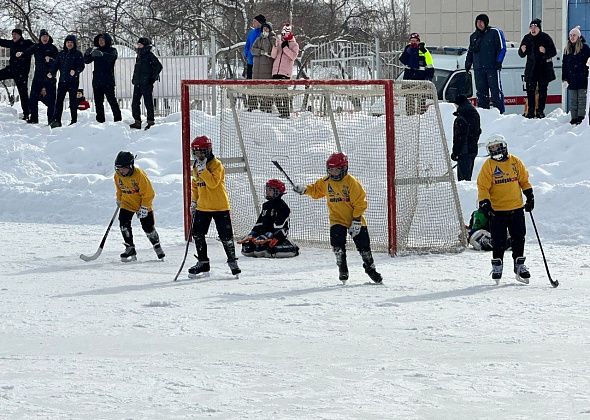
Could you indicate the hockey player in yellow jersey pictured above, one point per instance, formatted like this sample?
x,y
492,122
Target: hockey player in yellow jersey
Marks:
x,y
502,181
135,195
210,202
347,202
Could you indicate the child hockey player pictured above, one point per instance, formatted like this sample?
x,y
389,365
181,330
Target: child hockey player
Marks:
x,y
269,235
501,182
209,201
346,200
134,196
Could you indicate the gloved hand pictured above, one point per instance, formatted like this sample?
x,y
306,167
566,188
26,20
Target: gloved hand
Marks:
x,y
284,44
454,157
143,212
530,200
96,53
486,208
89,50
421,47
355,227
201,165
118,202
193,206
299,189
498,66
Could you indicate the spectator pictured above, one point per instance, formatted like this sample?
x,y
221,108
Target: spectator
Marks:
x,y
487,48
104,55
253,34
419,66
539,50
284,53
83,104
18,67
70,63
262,69
466,131
145,73
575,74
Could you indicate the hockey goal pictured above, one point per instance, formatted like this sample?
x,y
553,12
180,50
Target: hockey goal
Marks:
x,y
395,145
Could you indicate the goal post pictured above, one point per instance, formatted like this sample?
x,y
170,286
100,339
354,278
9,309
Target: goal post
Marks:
x,y
400,158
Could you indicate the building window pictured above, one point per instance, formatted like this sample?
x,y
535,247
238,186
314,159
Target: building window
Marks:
x,y
537,9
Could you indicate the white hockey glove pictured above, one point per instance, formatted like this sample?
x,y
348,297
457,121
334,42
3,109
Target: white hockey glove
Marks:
x,y
143,212
355,227
299,189
201,165
118,202
193,206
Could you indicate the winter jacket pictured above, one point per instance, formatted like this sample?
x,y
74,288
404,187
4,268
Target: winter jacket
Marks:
x,y
284,57
273,221
83,104
104,61
346,199
208,187
539,66
134,191
40,51
487,49
19,67
252,36
147,67
466,130
66,61
418,62
262,68
574,70
502,183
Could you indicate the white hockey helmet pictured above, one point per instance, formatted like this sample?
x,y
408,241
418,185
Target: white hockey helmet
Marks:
x,y
497,147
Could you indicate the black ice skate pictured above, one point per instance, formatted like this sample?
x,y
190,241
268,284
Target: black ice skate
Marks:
x,y
521,270
159,251
200,269
497,269
129,254
343,273
233,266
373,274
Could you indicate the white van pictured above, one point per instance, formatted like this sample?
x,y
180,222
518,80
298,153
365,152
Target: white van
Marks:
x,y
449,78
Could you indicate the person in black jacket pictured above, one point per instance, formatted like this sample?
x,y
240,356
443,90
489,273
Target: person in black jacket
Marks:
x,y
145,73
18,67
104,55
487,48
268,237
539,50
44,52
70,64
574,73
466,131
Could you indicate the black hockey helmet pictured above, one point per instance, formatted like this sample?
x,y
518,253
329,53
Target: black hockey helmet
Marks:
x,y
125,160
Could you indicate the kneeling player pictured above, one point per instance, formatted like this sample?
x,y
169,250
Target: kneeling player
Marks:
x,y
347,202
134,196
269,235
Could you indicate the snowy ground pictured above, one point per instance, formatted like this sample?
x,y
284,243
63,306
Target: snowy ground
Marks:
x,y
110,340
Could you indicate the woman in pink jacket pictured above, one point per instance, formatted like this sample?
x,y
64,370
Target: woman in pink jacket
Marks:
x,y
284,53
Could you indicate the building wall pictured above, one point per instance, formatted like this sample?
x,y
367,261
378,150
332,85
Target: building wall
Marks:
x,y
450,22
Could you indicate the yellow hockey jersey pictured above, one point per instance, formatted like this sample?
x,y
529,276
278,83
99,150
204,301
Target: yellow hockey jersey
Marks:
x,y
502,183
134,191
208,187
346,198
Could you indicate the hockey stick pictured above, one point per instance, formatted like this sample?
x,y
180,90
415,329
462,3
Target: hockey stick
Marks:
x,y
554,283
188,242
104,239
280,168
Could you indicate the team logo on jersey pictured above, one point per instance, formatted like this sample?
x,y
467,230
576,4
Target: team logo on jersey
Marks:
x,y
498,173
337,197
134,189
330,190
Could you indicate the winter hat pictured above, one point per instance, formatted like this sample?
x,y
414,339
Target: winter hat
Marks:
x,y
267,25
484,18
81,91
460,100
260,18
286,32
18,31
43,32
415,35
536,22
576,31
144,41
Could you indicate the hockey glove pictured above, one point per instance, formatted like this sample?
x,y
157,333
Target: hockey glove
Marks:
x,y
355,227
143,212
299,189
486,208
201,165
193,206
96,53
118,202
530,200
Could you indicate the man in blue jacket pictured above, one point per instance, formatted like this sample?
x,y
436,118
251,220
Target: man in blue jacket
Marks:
x,y
254,33
487,48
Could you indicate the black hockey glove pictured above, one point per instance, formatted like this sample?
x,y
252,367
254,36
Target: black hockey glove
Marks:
x,y
530,200
486,208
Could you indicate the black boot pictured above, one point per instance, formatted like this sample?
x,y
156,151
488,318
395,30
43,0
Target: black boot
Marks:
x,y
129,254
341,263
55,124
201,267
149,125
136,125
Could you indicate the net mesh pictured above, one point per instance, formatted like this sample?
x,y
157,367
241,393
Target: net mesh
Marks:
x,y
300,125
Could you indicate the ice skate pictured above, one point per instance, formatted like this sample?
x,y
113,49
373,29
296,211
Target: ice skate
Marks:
x,y
343,273
521,271
200,269
497,270
129,254
159,251
374,275
233,266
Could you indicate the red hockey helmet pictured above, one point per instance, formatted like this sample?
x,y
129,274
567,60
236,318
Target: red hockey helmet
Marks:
x,y
274,188
201,147
337,166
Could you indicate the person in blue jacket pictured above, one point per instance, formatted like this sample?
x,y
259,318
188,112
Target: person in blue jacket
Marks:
x,y
487,48
254,33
